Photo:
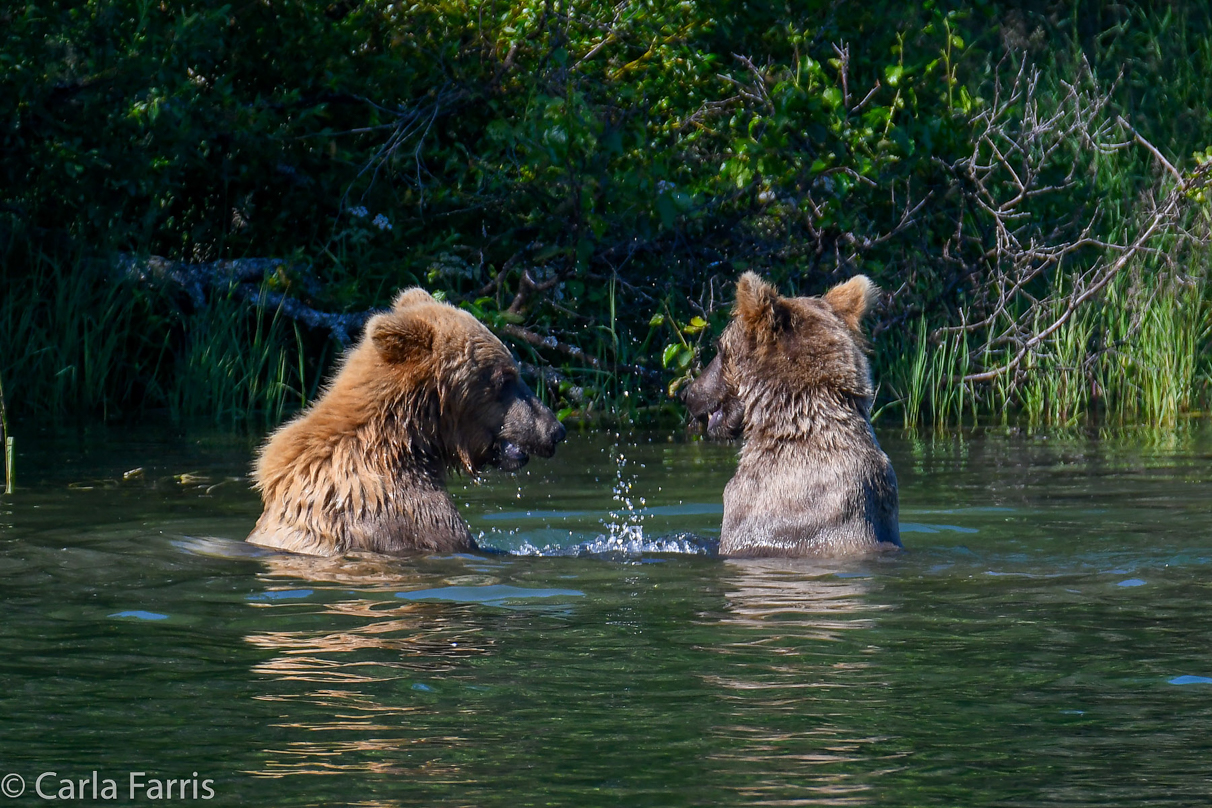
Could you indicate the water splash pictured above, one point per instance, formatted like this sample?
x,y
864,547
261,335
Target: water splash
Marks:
x,y
624,522
630,545
623,525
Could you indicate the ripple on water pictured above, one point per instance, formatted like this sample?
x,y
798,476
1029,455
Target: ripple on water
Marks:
x,y
283,594
493,595
1191,680
138,614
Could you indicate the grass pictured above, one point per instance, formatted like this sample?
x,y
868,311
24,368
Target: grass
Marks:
x,y
931,375
75,340
1140,356
7,439
1157,377
68,342
235,364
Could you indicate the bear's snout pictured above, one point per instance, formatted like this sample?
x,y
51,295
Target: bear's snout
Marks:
x,y
710,401
550,430
557,434
529,428
705,394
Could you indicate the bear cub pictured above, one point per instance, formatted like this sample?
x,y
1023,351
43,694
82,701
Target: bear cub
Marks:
x,y
427,388
792,378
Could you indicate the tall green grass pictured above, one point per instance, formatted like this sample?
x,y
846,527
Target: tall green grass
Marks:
x,y
1158,371
234,364
6,440
1139,356
71,342
931,379
76,339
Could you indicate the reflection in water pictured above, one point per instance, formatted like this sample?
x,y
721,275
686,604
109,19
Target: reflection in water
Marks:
x,y
417,639
796,673
365,570
341,687
817,598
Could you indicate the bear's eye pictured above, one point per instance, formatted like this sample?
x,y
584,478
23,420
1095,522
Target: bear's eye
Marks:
x,y
501,383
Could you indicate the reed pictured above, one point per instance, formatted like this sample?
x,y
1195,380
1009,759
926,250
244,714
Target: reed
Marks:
x,y
237,363
76,340
930,383
9,458
73,340
1156,370
1141,356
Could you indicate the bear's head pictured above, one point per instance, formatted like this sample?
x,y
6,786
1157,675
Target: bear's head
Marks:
x,y
457,385
784,362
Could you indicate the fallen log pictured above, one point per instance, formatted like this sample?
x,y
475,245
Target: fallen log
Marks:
x,y
244,278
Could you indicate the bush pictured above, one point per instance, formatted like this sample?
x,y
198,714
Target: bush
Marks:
x,y
593,173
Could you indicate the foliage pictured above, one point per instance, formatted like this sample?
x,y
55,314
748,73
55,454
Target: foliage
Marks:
x,y
594,173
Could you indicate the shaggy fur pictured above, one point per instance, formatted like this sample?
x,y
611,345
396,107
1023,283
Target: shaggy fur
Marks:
x,y
428,387
791,375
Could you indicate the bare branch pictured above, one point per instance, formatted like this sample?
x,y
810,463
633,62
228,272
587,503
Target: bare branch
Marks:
x,y
532,339
1032,275
1136,136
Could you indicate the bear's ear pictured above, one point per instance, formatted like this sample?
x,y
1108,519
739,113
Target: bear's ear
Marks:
x,y
852,299
410,297
401,339
758,305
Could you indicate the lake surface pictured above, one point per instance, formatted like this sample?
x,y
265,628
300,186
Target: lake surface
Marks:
x,y
1045,640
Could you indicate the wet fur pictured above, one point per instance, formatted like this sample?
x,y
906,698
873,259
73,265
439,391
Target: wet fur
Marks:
x,y
364,468
791,377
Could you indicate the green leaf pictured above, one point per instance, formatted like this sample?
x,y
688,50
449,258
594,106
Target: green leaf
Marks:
x,y
667,210
669,353
549,252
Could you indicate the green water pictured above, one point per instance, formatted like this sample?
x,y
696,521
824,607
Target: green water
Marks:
x,y
1028,649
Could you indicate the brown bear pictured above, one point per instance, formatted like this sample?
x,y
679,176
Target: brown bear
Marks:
x,y
428,387
791,376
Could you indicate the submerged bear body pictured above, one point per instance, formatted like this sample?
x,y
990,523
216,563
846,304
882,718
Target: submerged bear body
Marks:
x,y
364,468
792,378
810,505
